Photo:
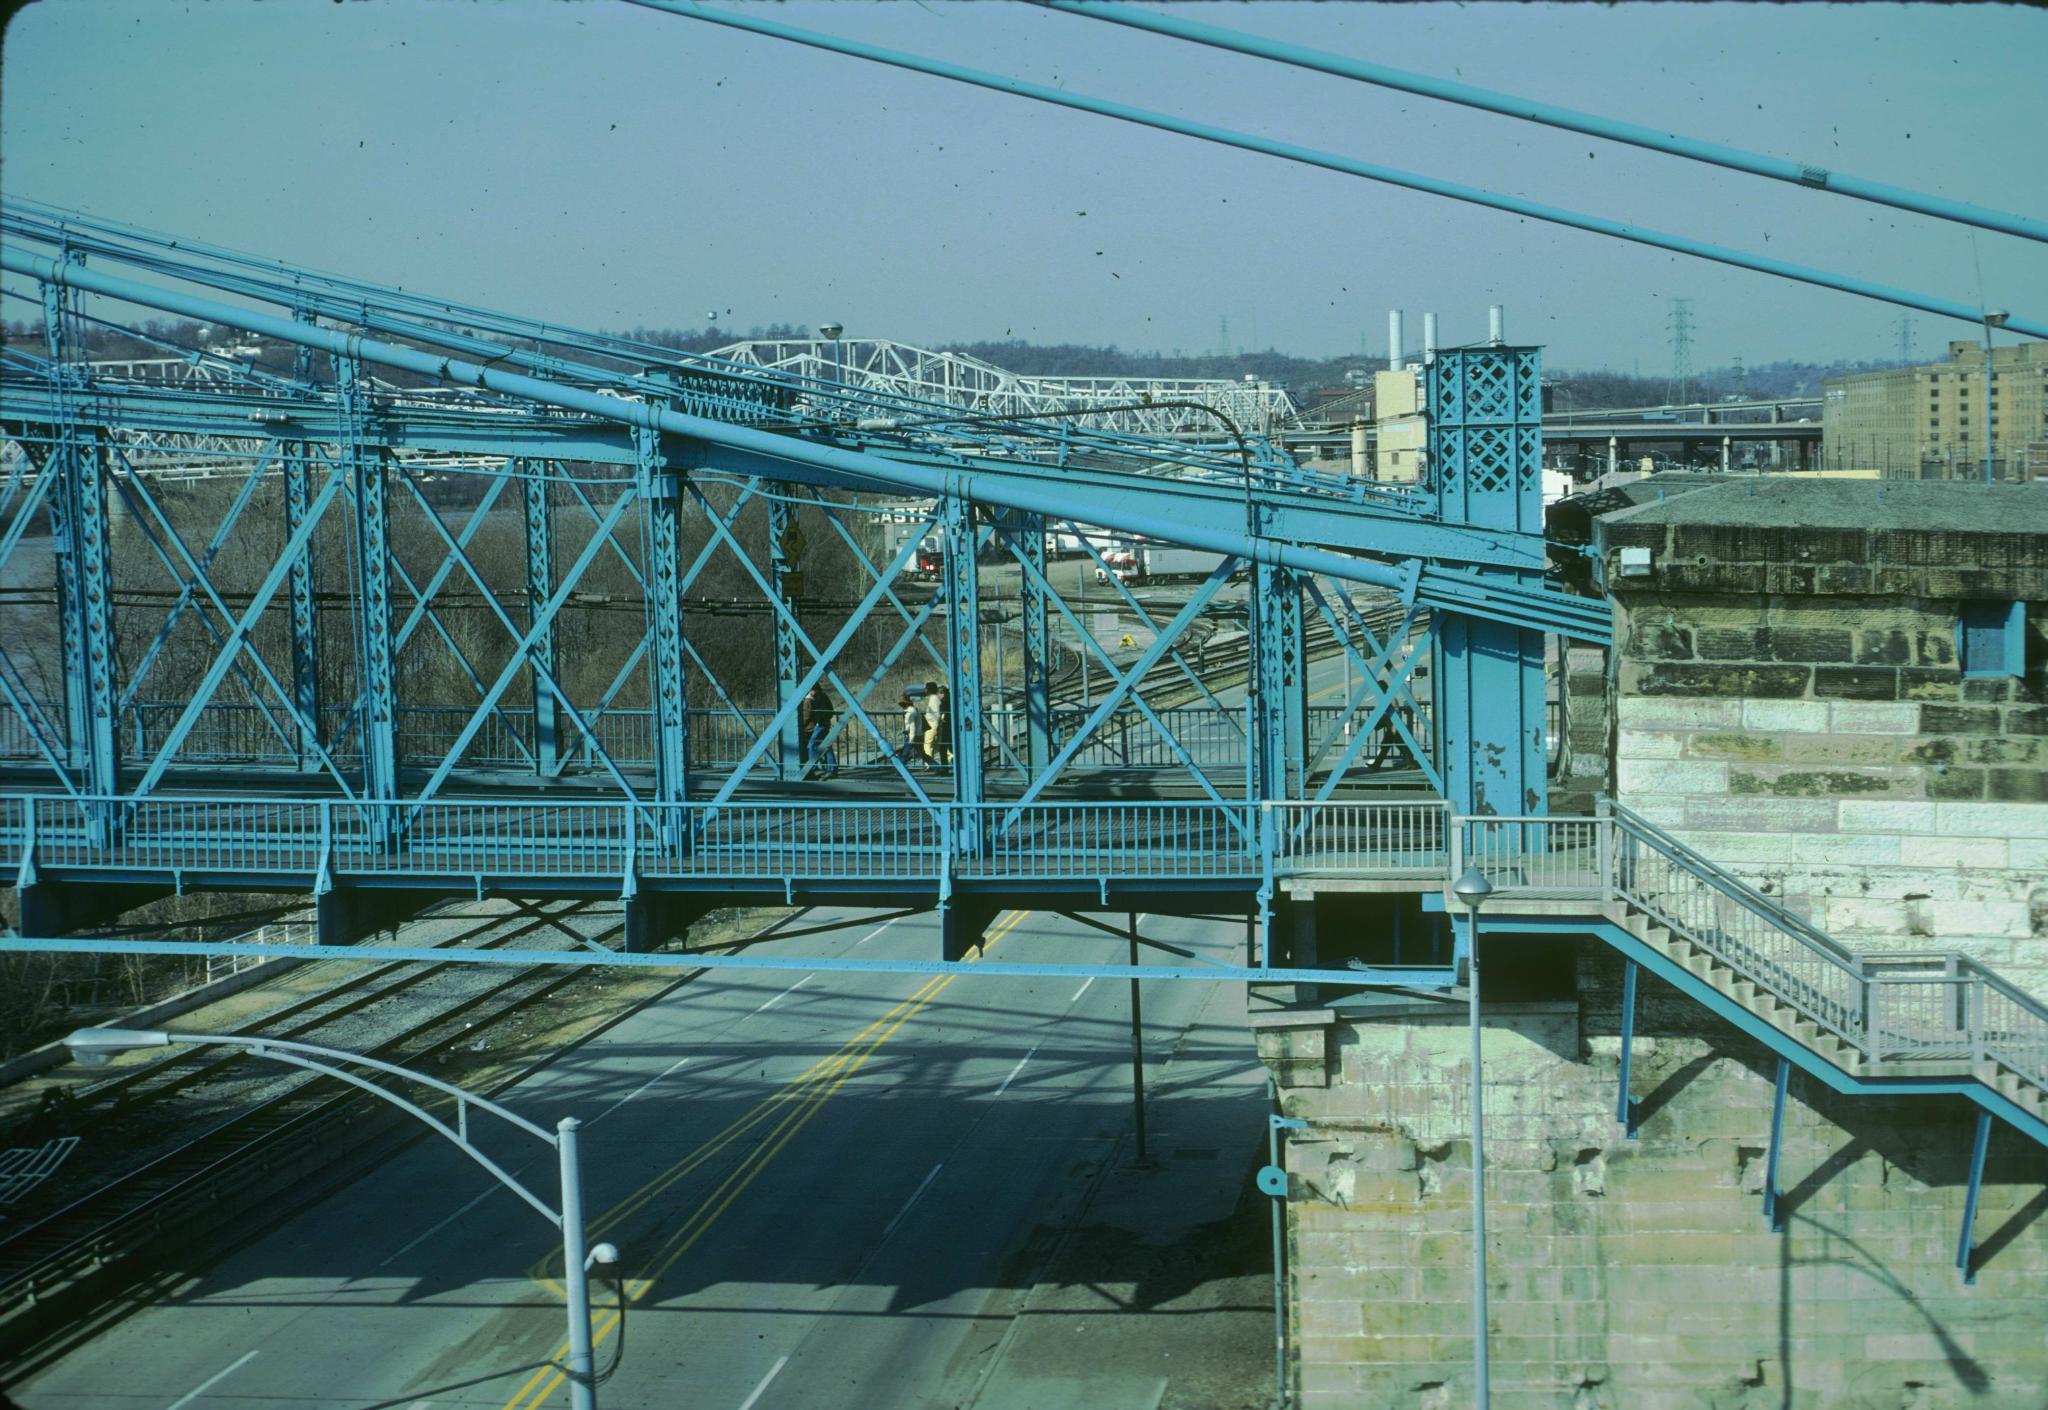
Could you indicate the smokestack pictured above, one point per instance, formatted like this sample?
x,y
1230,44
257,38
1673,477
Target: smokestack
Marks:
x,y
1495,315
1428,336
1393,340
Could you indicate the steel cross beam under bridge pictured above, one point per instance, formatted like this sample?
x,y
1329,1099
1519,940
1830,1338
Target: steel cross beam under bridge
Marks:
x,y
652,614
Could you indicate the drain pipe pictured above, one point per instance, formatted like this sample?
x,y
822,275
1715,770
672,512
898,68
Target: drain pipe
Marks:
x,y
1273,1182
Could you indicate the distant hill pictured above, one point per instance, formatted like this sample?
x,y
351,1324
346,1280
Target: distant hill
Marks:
x,y
1586,389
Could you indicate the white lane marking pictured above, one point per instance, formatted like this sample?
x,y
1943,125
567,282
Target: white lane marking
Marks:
x,y
773,1372
672,1067
783,995
210,1382
856,945
915,1195
1082,990
1017,1069
410,1244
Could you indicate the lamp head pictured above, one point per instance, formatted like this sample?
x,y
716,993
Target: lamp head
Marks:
x,y
1996,317
96,1047
830,330
1472,888
602,1255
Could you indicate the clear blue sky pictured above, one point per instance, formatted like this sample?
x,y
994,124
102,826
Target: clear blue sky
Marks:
x,y
606,165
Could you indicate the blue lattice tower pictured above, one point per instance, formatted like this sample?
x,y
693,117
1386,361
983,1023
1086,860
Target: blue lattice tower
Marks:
x,y
661,499
376,661
961,587
540,586
1025,534
785,581
1485,464
305,622
1279,693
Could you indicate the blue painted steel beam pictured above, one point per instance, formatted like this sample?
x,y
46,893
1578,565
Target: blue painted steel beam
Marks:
x,y
1027,541
749,451
788,964
661,499
783,579
304,615
1624,1101
376,653
960,582
539,520
1966,1243
1805,174
1486,465
1330,161
1774,1214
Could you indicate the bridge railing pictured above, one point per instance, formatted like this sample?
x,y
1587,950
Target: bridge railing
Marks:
x,y
1358,836
242,733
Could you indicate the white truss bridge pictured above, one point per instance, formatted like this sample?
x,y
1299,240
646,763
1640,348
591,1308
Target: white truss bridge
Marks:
x,y
1150,406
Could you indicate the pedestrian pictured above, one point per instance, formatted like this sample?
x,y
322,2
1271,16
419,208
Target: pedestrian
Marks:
x,y
817,745
934,703
803,729
912,752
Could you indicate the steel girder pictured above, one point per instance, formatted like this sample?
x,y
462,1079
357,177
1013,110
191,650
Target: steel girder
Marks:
x,y
305,620
1157,508
376,655
1486,459
785,581
539,523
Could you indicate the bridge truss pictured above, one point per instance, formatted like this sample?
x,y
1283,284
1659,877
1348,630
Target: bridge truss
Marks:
x,y
484,603
1144,406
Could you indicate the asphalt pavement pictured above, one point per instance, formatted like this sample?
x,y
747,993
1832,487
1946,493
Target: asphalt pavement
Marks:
x,y
837,1190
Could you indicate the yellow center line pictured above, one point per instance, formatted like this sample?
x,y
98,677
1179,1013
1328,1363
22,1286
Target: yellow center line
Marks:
x,y
807,1093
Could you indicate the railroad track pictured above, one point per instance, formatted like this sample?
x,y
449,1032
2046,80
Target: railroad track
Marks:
x,y
73,1259
183,1068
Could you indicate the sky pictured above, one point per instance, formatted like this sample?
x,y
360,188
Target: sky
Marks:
x,y
603,165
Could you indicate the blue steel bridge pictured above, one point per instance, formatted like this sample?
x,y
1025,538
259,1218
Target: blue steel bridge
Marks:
x,y
288,692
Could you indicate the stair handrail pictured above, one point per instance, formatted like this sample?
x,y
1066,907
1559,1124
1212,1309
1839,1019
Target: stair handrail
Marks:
x,y
1752,899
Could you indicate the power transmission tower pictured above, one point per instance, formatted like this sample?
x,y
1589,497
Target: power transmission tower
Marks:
x,y
1741,378
1906,339
1223,336
1679,390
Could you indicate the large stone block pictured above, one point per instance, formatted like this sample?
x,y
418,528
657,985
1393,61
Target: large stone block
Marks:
x,y
1803,716
1871,815
1634,776
1661,713
1991,820
1874,717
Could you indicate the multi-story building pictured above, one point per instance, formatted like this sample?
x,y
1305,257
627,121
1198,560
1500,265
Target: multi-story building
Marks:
x,y
1928,423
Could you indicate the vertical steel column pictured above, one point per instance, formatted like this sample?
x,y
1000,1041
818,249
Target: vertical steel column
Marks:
x,y
376,658
1035,633
540,587
661,494
61,462
785,581
1774,1213
962,589
1624,1104
91,544
1485,461
305,619
1966,1245
1143,1160
1279,689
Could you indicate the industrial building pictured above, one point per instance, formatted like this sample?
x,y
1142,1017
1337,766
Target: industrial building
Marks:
x,y
1928,422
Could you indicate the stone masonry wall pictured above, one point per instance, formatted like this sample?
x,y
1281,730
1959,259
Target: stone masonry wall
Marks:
x,y
1639,1275
1828,750
1788,700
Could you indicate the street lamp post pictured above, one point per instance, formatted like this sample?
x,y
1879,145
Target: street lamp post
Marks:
x,y
1472,889
97,1046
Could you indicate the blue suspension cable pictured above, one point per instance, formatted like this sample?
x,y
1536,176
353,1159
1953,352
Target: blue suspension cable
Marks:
x,y
1308,156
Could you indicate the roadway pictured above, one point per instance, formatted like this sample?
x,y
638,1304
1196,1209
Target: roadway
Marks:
x,y
832,1192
